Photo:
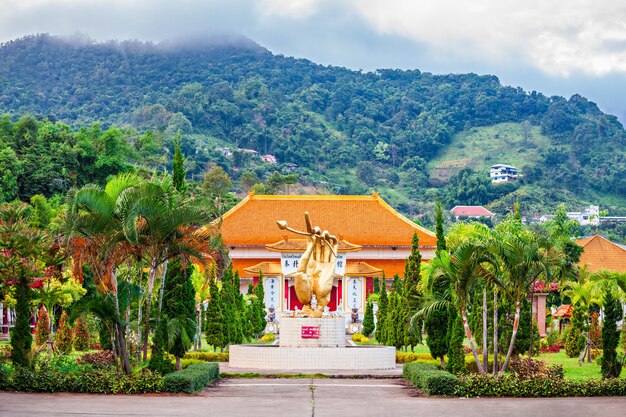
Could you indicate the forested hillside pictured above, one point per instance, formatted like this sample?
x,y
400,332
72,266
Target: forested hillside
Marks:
x,y
398,132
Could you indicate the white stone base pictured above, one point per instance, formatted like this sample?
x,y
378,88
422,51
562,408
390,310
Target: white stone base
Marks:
x,y
312,359
332,332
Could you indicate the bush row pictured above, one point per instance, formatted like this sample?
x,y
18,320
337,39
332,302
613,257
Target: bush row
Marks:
x,y
86,379
191,379
429,379
207,356
475,385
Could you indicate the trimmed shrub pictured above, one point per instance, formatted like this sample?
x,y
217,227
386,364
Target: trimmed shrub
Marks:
x,y
268,337
359,337
62,374
81,335
477,385
63,337
192,379
208,356
429,379
42,329
407,357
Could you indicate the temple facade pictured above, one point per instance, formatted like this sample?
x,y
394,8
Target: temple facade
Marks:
x,y
374,239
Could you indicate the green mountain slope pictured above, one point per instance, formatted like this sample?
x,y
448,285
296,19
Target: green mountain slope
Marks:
x,y
413,136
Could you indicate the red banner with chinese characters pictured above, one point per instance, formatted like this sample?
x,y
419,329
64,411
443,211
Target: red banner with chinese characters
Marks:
x,y
310,332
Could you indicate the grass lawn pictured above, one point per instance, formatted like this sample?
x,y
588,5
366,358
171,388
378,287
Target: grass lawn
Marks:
x,y
571,369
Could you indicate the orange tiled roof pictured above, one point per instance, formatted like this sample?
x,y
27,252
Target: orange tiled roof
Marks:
x,y
564,311
299,245
362,220
600,253
361,269
266,268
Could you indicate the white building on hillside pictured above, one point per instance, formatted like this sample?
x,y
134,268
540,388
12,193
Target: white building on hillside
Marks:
x,y
503,173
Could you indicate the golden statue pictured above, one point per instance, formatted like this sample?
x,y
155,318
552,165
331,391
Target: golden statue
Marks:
x,y
316,268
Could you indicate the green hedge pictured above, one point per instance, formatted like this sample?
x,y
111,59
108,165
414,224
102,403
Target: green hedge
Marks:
x,y
83,380
429,379
192,379
510,386
207,356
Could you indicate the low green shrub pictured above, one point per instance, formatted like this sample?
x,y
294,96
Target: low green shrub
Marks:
x,y
429,379
186,362
208,356
476,385
59,375
192,379
407,357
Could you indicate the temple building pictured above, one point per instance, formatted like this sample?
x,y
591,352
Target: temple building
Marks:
x,y
374,239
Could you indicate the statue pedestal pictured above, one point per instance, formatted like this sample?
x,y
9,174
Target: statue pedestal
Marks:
x,y
312,332
312,344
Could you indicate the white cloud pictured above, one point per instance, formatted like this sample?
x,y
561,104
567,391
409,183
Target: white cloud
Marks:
x,y
298,9
559,37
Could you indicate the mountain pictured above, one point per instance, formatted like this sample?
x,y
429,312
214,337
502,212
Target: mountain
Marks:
x,y
413,136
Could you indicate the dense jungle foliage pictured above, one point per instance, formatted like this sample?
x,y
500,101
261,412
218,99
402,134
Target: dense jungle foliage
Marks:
x,y
347,131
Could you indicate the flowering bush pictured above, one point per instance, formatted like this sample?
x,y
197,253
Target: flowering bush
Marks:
x,y
102,359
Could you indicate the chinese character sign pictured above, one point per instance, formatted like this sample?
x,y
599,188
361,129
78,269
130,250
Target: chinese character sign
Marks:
x,y
290,260
272,292
354,292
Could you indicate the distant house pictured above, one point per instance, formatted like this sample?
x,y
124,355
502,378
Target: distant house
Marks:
x,y
291,166
590,215
503,173
271,159
472,212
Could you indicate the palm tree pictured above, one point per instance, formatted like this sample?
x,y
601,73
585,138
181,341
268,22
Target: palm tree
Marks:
x,y
523,260
96,240
162,224
467,264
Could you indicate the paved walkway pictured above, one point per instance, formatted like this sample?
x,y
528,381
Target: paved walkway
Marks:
x,y
395,373
301,398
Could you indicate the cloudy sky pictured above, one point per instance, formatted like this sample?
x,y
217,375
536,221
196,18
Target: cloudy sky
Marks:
x,y
558,47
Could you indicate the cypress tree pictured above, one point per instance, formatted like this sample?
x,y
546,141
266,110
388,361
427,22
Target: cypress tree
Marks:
x,y
368,319
611,367
250,288
178,166
381,315
214,332
179,305
104,336
456,355
391,319
376,285
21,338
438,325
441,237
575,341
260,322
412,297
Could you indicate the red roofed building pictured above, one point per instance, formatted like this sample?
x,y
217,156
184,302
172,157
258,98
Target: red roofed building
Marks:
x,y
471,212
373,238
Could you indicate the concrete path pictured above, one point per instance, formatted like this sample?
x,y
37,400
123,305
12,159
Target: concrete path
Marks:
x,y
300,398
395,373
